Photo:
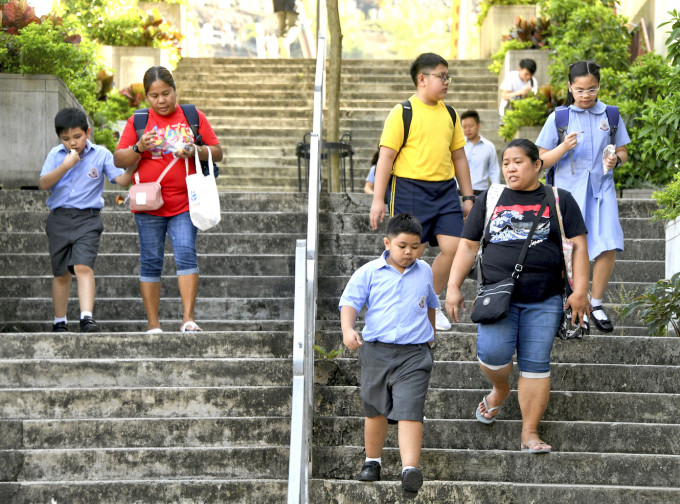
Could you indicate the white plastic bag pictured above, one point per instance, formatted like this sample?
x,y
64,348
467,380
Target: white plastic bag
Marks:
x,y
609,151
204,200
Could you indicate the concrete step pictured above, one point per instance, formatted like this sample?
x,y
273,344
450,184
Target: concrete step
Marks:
x,y
155,433
121,310
169,324
104,373
564,406
143,402
445,434
264,222
325,490
240,491
144,464
511,466
176,372
232,344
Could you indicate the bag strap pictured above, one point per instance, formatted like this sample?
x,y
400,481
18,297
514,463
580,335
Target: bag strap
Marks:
x,y
197,163
552,196
527,242
167,168
493,194
407,116
613,116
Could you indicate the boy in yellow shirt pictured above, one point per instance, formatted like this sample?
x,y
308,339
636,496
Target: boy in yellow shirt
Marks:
x,y
423,168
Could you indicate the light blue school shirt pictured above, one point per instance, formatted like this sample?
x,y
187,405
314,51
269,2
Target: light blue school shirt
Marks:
x,y
82,186
483,162
593,190
396,303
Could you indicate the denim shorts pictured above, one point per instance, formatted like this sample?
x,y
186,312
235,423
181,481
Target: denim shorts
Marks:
x,y
152,230
530,329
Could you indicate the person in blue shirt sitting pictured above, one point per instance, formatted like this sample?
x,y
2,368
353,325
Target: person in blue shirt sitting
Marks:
x,y
74,174
395,346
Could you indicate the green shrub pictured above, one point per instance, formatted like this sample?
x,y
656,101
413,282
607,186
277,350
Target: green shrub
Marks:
x,y
530,111
585,30
659,306
669,200
499,56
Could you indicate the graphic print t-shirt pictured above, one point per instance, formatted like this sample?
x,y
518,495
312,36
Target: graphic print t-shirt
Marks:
x,y
509,227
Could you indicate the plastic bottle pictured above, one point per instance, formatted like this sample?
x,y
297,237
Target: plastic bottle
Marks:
x,y
609,151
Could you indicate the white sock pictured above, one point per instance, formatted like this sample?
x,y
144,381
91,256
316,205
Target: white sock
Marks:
x,y
60,319
378,460
598,313
84,314
405,468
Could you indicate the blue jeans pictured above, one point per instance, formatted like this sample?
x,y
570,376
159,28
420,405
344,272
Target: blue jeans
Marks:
x,y
529,328
152,230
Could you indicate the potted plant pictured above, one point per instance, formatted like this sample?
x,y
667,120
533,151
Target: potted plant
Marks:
x,y
497,17
669,201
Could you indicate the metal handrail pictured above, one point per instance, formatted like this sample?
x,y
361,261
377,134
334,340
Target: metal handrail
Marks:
x,y
304,322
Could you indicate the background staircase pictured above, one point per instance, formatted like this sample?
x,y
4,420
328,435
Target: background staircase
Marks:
x,y
123,416
260,110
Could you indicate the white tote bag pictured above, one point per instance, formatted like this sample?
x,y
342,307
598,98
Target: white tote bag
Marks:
x,y
204,200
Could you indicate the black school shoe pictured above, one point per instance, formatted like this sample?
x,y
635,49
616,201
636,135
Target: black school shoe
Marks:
x,y
370,471
605,325
60,326
411,481
88,324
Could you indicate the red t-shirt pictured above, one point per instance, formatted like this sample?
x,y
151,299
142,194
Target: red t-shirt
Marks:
x,y
172,132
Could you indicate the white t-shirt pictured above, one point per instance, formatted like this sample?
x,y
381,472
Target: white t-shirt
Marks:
x,y
513,83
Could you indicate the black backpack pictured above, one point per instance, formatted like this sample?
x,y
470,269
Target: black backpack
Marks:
x,y
141,117
407,115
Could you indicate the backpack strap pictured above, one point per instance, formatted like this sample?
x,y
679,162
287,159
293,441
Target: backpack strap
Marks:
x,y
191,116
141,117
561,122
613,119
493,194
406,115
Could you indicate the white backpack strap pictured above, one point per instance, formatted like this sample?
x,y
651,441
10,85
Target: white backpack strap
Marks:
x,y
492,196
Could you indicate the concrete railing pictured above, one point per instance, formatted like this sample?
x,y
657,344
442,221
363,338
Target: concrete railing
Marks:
x,y
304,321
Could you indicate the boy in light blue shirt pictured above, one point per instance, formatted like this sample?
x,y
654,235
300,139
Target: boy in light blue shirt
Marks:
x,y
395,351
74,173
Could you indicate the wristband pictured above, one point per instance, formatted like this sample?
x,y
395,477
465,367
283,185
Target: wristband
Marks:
x,y
470,198
136,149
618,161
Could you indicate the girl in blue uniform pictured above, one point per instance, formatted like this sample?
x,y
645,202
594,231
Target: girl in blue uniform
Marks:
x,y
580,169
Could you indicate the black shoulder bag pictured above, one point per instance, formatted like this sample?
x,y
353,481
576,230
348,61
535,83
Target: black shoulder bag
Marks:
x,y
492,301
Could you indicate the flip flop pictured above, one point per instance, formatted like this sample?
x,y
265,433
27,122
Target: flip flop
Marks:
x,y
539,447
190,326
155,330
482,418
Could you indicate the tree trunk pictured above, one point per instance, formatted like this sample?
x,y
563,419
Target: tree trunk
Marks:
x,y
333,89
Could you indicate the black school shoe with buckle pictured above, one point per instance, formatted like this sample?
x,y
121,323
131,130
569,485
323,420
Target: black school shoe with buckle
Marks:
x,y
60,326
605,325
411,481
88,324
370,471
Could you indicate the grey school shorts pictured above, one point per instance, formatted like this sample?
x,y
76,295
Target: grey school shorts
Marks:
x,y
73,237
394,379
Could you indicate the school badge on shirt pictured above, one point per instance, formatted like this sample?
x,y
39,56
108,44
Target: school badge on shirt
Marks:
x,y
604,125
422,301
93,173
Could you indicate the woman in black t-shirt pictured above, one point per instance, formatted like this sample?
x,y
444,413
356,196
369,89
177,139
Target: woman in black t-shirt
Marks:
x,y
536,304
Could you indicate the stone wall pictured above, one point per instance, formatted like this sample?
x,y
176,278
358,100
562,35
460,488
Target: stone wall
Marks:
x,y
28,105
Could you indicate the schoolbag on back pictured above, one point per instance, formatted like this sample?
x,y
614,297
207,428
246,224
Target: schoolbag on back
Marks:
x,y
562,125
141,117
407,115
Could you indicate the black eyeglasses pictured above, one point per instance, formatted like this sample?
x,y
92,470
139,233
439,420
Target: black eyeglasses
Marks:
x,y
443,76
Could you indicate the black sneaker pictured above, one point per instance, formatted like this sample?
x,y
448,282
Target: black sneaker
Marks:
x,y
88,324
60,326
411,481
370,471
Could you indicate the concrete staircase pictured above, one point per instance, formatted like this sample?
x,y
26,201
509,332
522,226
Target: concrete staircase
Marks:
x,y
123,416
260,110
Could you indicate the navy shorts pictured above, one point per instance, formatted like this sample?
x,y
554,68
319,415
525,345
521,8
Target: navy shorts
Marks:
x,y
434,204
73,237
394,380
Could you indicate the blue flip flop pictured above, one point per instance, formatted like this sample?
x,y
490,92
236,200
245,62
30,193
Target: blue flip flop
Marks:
x,y
482,418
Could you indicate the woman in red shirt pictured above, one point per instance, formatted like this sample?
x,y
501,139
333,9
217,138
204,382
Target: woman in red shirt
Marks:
x,y
167,136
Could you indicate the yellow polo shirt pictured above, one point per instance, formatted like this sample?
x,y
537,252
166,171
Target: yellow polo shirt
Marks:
x,y
431,140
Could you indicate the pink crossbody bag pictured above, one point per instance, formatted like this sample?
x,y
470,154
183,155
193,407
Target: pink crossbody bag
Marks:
x,y
147,196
